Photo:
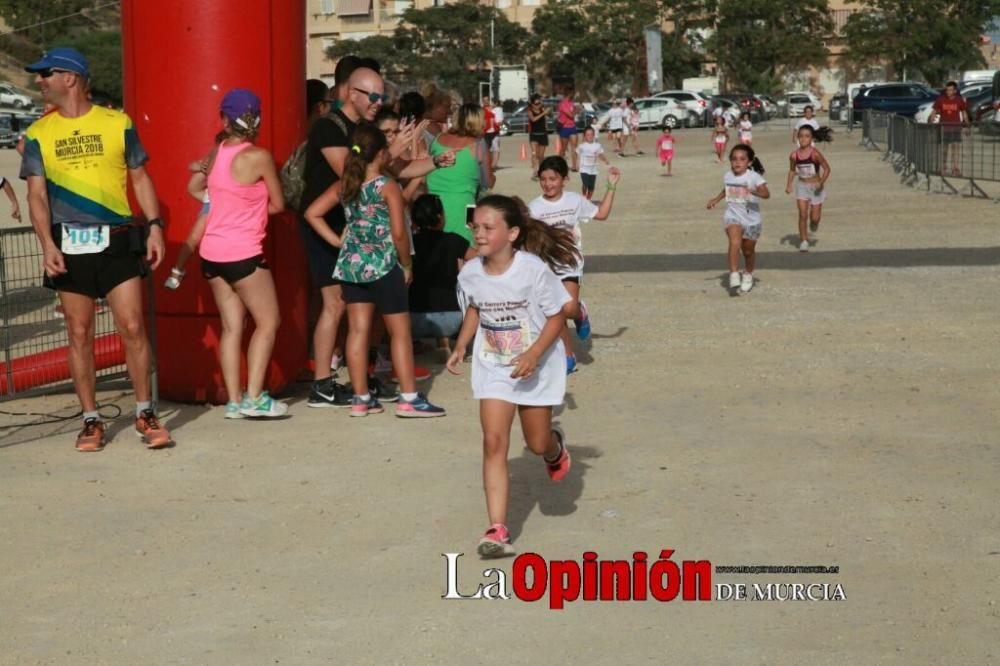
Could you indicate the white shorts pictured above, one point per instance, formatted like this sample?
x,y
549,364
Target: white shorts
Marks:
x,y
751,228
807,192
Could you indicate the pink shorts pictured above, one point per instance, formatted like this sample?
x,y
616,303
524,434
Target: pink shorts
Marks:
x,y
666,155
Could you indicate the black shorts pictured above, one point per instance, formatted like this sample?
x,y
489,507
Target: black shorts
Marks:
x,y
488,138
951,134
97,274
589,181
540,139
388,293
233,271
321,255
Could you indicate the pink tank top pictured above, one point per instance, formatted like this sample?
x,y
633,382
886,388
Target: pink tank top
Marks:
x,y
237,214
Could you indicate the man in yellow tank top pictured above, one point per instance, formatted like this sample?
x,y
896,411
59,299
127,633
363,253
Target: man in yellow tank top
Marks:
x,y
77,160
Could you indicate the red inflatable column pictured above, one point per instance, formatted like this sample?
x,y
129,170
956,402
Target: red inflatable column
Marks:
x,y
180,59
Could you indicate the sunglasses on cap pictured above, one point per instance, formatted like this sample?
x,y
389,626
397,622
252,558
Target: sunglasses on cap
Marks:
x,y
46,73
373,98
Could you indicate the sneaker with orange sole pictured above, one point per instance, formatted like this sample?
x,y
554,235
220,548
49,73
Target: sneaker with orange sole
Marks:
x,y
91,438
559,468
152,432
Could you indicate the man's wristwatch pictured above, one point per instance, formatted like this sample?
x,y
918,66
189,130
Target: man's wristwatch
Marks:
x,y
156,222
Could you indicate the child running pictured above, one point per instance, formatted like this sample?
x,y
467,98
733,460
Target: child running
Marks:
x,y
720,137
745,133
244,186
567,211
516,311
590,151
665,149
812,170
742,187
374,268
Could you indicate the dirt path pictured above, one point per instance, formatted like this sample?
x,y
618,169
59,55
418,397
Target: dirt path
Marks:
x,y
843,413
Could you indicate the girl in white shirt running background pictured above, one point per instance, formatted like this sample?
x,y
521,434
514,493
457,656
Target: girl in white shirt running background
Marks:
x,y
742,188
517,308
567,211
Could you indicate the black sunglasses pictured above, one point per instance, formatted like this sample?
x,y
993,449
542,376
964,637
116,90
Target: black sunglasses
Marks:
x,y
373,97
46,73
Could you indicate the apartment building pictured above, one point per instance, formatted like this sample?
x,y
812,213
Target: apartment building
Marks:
x,y
330,21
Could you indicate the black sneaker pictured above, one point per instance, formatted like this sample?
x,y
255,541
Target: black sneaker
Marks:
x,y
328,393
382,391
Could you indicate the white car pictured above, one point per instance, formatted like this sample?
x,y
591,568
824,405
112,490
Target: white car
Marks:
x,y
924,113
814,101
697,105
10,97
657,112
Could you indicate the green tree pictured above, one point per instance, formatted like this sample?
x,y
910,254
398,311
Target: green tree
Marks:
x,y
756,41
448,45
104,55
932,38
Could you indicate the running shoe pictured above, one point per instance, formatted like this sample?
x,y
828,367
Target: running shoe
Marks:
x,y
734,280
151,431
362,407
495,542
382,391
583,323
571,364
328,393
813,226
91,438
804,246
559,468
419,408
747,283
263,406
232,411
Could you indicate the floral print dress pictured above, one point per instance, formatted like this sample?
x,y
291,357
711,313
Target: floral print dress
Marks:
x,y
368,252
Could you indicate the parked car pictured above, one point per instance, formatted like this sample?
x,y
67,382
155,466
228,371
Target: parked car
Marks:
x,y
770,106
515,122
697,105
814,100
8,137
657,112
901,98
987,117
10,97
748,103
797,103
730,110
839,107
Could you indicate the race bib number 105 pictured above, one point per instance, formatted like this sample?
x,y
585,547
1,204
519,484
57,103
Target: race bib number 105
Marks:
x,y
85,238
503,341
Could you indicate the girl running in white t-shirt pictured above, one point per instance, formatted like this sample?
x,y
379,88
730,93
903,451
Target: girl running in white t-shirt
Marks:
x,y
812,170
567,211
720,137
742,187
516,309
745,129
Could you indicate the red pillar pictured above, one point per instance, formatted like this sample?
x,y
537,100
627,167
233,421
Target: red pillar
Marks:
x,y
180,58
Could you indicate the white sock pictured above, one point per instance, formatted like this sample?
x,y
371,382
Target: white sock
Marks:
x,y
91,415
408,397
141,406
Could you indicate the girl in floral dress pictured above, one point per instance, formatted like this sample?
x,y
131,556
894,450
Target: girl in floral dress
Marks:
x,y
374,269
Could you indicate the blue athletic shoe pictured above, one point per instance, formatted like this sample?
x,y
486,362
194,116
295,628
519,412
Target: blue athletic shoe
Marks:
x,y
583,323
570,364
418,408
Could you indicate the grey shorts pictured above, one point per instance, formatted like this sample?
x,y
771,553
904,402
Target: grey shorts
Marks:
x,y
808,192
751,229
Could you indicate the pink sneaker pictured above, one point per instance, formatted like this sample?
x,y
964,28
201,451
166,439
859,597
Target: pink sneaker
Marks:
x,y
559,468
495,543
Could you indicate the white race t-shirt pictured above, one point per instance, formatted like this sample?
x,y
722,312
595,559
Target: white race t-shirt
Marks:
x,y
812,122
741,205
615,117
588,153
568,212
513,309
497,114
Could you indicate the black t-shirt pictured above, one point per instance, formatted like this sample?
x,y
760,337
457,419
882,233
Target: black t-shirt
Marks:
x,y
435,270
319,175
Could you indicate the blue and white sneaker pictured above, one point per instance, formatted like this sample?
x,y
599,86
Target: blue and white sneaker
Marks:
x,y
263,406
583,323
232,411
362,407
418,408
571,364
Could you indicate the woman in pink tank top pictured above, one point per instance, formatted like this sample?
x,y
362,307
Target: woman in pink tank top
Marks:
x,y
243,190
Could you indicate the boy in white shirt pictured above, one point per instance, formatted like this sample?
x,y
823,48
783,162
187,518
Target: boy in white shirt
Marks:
x,y
589,152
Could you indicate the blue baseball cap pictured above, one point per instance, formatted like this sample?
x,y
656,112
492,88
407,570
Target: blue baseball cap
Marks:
x,y
62,57
239,101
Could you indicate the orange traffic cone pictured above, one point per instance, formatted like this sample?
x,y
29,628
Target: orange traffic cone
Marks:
x,y
524,152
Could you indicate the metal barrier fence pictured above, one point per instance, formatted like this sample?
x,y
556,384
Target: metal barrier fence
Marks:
x,y
33,338
920,151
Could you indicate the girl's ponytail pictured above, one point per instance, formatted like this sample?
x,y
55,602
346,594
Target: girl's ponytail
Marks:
x,y
823,134
368,143
552,245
